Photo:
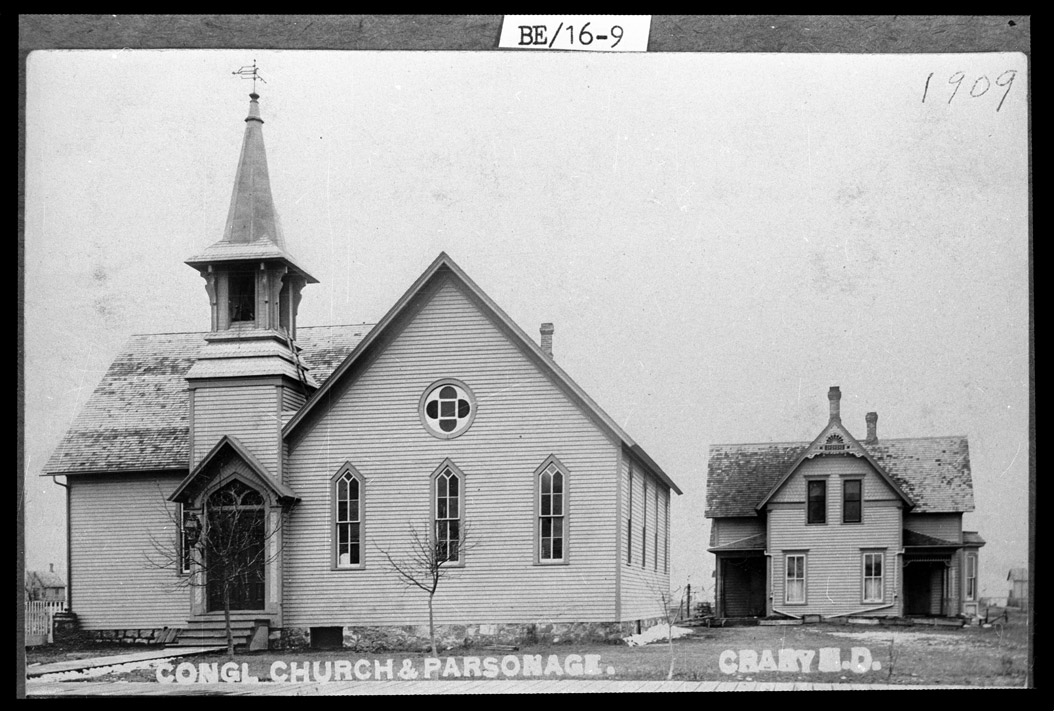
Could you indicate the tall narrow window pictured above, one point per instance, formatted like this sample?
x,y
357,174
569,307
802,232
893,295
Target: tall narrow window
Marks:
x,y
851,501
666,536
186,552
971,577
347,517
644,525
795,592
552,513
873,577
817,504
448,515
655,533
629,517
242,296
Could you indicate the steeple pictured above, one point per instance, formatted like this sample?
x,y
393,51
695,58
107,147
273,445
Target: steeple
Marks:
x,y
252,279
252,216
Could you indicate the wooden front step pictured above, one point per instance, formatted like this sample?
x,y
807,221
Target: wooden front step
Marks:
x,y
250,632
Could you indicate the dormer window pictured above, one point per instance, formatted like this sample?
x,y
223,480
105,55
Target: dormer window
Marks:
x,y
242,297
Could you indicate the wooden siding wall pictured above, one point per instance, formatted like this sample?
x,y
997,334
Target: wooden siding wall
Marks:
x,y
522,418
642,584
292,399
114,583
249,412
834,579
729,530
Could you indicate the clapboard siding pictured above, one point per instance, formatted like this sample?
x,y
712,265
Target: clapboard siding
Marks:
x,y
642,586
944,526
115,578
522,418
292,399
729,530
834,577
250,413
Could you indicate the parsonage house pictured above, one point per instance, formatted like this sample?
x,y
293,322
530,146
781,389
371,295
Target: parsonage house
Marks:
x,y
838,527
341,448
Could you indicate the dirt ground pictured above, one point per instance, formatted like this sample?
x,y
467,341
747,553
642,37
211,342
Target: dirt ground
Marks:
x,y
996,656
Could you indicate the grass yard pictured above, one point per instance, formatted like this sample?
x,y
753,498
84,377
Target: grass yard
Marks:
x,y
900,655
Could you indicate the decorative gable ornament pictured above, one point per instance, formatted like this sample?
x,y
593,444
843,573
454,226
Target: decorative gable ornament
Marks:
x,y
834,440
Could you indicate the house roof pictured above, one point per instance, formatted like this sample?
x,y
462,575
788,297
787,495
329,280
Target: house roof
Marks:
x,y
934,473
914,539
253,230
137,417
750,543
46,578
1018,575
443,266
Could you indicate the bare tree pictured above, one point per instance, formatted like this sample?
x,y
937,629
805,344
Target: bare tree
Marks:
x,y
224,550
665,598
430,559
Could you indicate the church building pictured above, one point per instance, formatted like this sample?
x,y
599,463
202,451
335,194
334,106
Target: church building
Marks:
x,y
337,454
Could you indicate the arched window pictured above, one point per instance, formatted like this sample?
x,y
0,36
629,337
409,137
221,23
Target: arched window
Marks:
x,y
551,485
347,518
448,488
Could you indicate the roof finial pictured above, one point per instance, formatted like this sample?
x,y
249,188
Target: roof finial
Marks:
x,y
250,72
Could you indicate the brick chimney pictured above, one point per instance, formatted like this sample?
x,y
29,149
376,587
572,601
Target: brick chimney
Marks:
x,y
835,396
52,567
872,428
547,339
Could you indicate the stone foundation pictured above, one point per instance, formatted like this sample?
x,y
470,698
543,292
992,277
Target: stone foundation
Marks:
x,y
133,636
414,638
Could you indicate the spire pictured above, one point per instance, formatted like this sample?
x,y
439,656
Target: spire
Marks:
x,y
252,216
252,231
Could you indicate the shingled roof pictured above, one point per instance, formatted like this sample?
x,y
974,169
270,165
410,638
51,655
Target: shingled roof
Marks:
x,y
933,471
137,417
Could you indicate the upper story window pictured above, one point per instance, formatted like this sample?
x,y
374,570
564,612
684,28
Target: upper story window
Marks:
x,y
447,408
852,510
448,487
347,518
817,501
552,514
241,296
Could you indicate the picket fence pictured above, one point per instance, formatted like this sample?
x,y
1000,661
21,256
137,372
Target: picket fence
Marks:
x,y
40,615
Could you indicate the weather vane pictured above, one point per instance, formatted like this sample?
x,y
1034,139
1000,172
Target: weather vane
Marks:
x,y
250,72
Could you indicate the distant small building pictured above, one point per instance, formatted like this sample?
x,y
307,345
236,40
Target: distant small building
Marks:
x,y
45,585
1018,578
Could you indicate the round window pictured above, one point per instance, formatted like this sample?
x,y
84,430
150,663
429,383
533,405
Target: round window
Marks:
x,y
447,408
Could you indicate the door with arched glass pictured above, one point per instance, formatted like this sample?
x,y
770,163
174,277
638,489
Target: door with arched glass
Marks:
x,y
235,548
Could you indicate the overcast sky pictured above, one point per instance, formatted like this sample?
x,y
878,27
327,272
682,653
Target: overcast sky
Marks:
x,y
717,238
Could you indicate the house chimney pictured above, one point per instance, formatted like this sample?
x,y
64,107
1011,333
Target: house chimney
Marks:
x,y
547,339
872,427
52,567
835,396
